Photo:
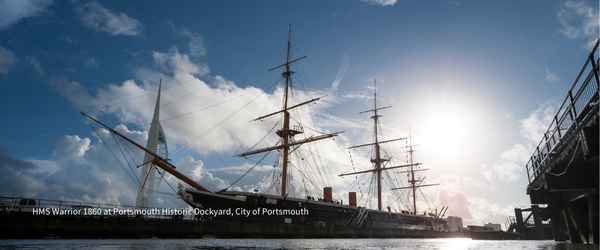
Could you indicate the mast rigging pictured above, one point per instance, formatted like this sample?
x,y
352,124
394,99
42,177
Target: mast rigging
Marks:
x,y
377,160
285,133
157,160
412,181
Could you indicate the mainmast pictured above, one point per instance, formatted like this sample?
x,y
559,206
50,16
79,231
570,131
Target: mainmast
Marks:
x,y
285,133
377,160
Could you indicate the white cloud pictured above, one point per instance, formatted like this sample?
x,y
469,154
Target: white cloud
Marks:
x,y
74,92
195,169
176,63
486,211
535,125
550,76
195,44
73,146
342,69
18,177
80,169
211,115
95,16
511,165
7,59
579,20
12,11
381,2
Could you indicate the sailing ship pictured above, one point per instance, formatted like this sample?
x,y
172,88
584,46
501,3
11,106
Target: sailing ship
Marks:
x,y
325,217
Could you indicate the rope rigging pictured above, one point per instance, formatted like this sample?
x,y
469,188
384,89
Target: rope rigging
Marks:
x,y
307,176
133,177
264,137
219,123
222,121
184,114
247,171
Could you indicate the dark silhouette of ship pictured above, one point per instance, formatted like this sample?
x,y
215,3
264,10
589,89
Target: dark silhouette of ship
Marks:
x,y
280,215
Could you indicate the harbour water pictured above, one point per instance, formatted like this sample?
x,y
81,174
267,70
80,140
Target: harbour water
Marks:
x,y
402,244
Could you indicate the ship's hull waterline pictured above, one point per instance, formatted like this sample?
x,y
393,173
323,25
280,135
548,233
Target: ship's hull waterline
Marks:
x,y
324,219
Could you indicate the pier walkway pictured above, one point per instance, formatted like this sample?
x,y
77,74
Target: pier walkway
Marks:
x,y
563,170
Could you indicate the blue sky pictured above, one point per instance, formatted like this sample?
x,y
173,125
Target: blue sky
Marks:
x,y
491,71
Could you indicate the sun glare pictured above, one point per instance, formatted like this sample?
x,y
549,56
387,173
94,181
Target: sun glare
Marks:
x,y
446,131
458,244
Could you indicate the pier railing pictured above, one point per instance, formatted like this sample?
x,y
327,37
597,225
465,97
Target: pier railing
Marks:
x,y
567,121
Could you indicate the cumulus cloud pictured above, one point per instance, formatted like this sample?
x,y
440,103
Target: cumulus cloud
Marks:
x,y
7,59
78,170
98,169
457,202
210,115
18,177
176,63
206,115
97,17
380,2
486,211
579,20
510,166
12,11
535,125
74,92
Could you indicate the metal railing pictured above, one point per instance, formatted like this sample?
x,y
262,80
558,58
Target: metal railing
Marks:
x,y
567,120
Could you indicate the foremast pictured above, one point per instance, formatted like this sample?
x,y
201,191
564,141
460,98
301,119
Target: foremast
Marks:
x,y
285,133
377,160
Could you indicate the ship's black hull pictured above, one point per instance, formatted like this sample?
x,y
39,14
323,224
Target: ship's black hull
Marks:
x,y
324,219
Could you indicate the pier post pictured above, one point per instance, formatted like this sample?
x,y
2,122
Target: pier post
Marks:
x,y
537,220
519,220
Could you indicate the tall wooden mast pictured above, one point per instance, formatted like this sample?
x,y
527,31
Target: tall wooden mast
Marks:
x,y
285,133
412,175
377,160
413,183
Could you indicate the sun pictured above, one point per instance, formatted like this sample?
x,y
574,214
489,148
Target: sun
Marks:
x,y
445,131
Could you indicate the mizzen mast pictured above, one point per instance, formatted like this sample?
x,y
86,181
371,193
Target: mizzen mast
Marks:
x,y
414,183
377,160
286,133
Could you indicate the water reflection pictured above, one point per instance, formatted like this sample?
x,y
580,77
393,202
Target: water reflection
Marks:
x,y
401,244
458,244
